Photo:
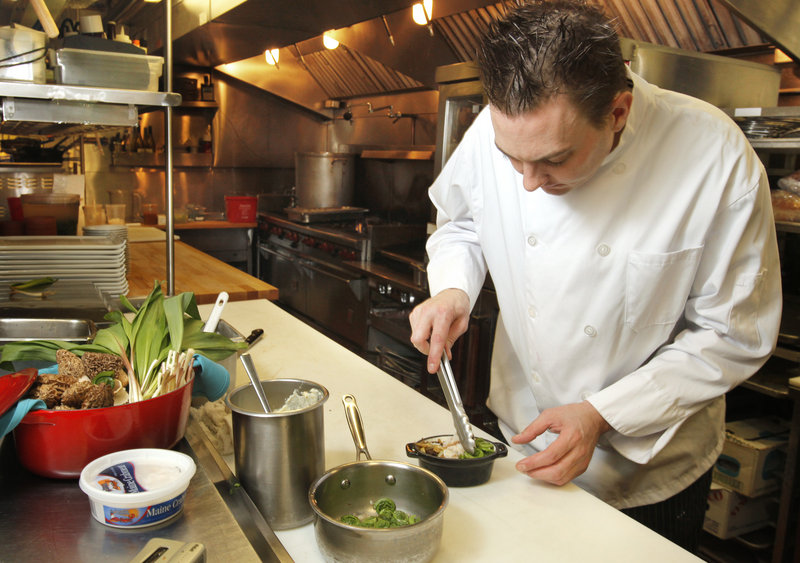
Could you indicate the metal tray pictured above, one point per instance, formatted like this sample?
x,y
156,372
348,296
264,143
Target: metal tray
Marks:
x,y
70,330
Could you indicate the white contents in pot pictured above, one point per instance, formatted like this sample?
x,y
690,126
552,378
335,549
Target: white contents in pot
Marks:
x,y
301,399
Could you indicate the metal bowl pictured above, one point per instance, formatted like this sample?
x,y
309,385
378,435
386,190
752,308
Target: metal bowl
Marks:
x,y
353,487
457,472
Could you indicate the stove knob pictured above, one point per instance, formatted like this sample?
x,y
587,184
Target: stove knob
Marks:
x,y
406,298
382,288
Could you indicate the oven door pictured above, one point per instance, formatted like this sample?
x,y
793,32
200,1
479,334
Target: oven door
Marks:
x,y
337,299
282,270
333,297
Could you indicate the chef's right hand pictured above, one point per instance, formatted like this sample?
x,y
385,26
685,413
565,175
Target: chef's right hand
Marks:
x,y
437,322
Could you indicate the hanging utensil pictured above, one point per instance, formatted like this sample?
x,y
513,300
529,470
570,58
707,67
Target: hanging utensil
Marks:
x,y
250,368
453,398
216,313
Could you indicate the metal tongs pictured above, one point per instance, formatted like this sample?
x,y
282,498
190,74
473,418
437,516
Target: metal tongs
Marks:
x,y
451,394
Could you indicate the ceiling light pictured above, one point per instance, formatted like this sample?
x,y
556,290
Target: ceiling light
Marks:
x,y
329,41
272,56
422,12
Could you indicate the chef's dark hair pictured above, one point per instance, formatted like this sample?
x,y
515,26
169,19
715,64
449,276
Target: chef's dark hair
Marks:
x,y
548,47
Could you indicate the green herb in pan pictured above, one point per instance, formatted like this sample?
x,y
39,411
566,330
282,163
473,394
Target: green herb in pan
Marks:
x,y
388,516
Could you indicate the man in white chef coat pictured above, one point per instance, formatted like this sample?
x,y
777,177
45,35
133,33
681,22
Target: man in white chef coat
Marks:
x,y
629,235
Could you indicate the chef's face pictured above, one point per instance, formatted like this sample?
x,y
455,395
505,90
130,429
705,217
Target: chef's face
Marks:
x,y
555,147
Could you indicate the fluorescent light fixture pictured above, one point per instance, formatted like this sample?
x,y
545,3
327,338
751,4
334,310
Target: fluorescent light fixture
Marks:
x,y
272,56
329,41
422,12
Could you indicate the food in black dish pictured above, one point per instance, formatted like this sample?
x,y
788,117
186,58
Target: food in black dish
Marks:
x,y
453,471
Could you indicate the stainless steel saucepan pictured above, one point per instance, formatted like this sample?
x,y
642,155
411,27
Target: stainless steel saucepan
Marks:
x,y
352,488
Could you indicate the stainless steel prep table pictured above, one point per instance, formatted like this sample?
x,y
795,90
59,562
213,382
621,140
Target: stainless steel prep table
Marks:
x,y
49,519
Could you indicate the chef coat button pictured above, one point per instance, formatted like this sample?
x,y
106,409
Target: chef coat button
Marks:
x,y
535,377
532,240
590,330
603,250
532,312
619,168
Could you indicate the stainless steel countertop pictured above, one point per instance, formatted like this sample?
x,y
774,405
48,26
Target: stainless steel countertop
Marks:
x,y
49,519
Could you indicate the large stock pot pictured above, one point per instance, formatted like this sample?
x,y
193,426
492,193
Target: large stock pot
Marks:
x,y
324,179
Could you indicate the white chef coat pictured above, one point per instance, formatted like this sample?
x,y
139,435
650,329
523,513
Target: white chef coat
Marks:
x,y
649,291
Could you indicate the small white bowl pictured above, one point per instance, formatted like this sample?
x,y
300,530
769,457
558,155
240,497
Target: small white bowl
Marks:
x,y
137,488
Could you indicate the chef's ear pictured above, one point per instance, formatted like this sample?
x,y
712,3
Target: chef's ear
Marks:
x,y
621,109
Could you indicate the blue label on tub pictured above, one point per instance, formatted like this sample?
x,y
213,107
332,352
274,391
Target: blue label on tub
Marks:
x,y
119,478
143,516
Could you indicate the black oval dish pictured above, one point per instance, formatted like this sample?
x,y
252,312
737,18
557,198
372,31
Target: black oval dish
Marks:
x,y
458,472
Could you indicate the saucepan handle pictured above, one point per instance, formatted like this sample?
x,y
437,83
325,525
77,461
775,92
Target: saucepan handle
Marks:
x,y
353,416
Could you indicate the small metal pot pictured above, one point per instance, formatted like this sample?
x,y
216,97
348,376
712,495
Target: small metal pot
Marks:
x,y
353,487
458,472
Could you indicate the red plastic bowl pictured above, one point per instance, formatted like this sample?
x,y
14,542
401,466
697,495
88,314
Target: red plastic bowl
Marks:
x,y
59,444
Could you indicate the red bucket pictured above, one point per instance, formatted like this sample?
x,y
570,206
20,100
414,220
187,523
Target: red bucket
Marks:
x,y
241,209
60,443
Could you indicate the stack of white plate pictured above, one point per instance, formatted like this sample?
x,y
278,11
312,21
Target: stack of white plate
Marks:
x,y
99,260
117,233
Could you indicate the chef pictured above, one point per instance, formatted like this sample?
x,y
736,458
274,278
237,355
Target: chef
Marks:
x,y
628,232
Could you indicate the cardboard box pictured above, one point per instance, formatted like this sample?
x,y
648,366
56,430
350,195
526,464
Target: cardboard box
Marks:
x,y
753,456
730,514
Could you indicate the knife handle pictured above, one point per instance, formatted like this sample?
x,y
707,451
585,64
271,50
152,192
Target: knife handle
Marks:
x,y
255,335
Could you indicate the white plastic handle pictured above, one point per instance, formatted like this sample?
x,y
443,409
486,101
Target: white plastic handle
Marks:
x,y
216,313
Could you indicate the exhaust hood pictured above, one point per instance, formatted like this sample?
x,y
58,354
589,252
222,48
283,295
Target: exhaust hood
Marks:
x,y
777,19
382,50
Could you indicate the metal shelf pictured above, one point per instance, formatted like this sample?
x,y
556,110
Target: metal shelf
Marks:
x,y
59,109
198,104
788,143
787,226
158,160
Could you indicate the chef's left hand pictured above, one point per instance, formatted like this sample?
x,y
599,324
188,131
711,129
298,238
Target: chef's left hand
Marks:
x,y
579,427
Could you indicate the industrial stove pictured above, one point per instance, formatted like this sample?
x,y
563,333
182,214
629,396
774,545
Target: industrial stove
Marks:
x,y
319,261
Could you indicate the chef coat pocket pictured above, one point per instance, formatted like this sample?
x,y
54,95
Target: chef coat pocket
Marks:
x,y
657,286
